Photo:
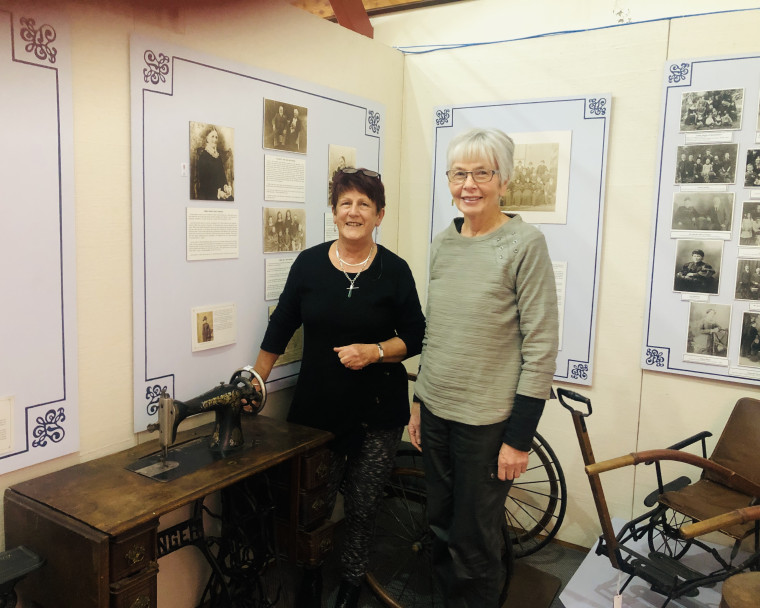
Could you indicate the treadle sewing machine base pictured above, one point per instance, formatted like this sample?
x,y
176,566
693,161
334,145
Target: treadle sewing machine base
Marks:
x,y
95,524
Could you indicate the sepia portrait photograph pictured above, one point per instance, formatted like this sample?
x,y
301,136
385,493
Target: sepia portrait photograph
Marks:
x,y
285,126
712,110
697,266
747,279
749,347
708,329
708,211
752,169
749,228
706,164
205,323
338,157
212,171
284,229
539,184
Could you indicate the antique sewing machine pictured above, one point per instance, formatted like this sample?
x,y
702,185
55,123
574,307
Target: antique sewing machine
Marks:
x,y
227,401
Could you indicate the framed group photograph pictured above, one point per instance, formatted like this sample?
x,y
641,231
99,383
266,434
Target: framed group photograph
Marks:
x,y
284,229
749,348
747,279
706,164
752,169
712,110
285,126
703,211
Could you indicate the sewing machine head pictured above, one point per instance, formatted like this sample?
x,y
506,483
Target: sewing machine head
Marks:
x,y
226,400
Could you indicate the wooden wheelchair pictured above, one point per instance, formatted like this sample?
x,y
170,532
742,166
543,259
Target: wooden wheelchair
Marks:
x,y
730,480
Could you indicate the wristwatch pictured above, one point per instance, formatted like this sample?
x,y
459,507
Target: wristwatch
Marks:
x,y
380,350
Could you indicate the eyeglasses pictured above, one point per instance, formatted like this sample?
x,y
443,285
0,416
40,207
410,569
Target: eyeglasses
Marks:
x,y
366,172
481,176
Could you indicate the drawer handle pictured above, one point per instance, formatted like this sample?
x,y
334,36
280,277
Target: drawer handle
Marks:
x,y
317,504
322,470
134,556
142,601
325,545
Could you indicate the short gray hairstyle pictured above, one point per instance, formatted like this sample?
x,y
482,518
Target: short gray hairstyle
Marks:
x,y
491,145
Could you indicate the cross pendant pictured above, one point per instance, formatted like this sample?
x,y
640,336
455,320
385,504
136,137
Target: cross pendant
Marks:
x,y
350,289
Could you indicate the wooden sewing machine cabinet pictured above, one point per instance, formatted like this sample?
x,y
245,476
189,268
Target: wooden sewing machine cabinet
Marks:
x,y
96,523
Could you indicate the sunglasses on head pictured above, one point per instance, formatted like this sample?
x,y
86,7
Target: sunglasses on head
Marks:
x,y
366,172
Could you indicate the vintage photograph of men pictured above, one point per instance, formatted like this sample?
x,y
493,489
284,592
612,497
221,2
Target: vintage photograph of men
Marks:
x,y
752,169
708,329
338,157
285,126
697,265
212,172
706,164
709,211
538,187
747,279
284,229
749,347
749,228
703,110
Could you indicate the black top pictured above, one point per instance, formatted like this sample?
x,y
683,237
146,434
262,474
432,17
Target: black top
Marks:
x,y
383,304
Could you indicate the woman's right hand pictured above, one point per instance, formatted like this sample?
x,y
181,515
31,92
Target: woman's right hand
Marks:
x,y
414,426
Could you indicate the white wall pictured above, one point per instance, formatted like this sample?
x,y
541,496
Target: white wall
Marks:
x,y
633,410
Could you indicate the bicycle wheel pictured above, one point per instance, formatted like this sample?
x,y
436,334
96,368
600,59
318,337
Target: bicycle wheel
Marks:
x,y
662,535
400,570
537,501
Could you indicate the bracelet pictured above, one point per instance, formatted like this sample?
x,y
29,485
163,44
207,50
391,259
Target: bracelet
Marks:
x,y
380,350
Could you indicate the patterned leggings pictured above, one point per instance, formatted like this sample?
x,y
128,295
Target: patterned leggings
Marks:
x,y
360,478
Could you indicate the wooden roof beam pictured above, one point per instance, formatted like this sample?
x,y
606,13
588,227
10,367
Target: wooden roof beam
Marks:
x,y
351,14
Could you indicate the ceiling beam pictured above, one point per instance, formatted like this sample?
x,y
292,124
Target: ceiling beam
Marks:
x,y
351,14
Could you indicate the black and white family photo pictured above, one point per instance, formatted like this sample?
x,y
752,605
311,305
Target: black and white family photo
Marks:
x,y
285,126
212,171
706,164
710,211
749,349
747,279
702,110
284,229
534,179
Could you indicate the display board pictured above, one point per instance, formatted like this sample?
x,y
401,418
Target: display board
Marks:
x,y
230,178
557,185
39,417
703,301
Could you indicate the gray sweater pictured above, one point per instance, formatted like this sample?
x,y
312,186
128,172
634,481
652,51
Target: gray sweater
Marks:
x,y
491,323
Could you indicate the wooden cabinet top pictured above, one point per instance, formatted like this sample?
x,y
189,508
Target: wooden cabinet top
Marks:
x,y
105,495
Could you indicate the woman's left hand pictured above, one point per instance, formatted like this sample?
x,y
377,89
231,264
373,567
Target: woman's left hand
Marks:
x,y
357,356
512,462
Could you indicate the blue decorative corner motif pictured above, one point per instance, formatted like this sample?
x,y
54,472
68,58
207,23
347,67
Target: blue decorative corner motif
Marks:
x,y
38,40
158,67
655,357
679,72
49,428
443,117
373,122
579,371
597,107
152,393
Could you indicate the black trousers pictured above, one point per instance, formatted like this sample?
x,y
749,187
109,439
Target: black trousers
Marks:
x,y
361,478
465,509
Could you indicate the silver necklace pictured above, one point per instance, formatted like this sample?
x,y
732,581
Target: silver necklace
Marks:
x,y
351,287
342,261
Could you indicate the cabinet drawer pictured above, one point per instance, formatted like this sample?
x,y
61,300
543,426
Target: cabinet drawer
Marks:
x,y
138,591
311,547
315,468
312,505
130,553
